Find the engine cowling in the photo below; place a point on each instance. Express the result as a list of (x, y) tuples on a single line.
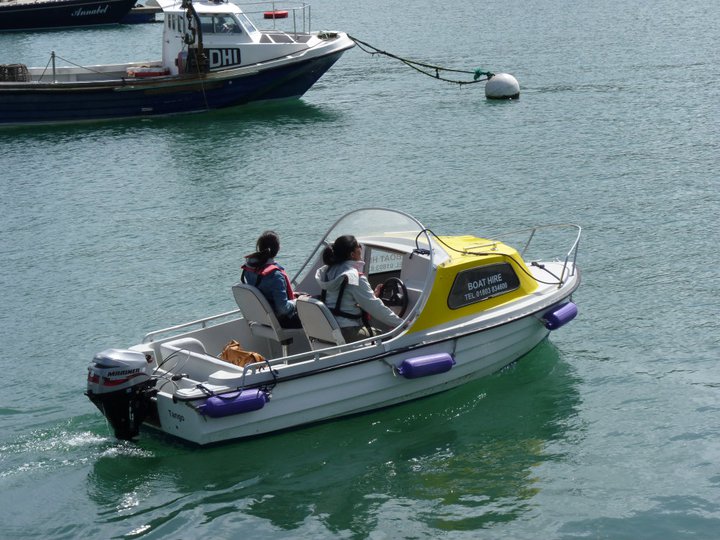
[(120, 384)]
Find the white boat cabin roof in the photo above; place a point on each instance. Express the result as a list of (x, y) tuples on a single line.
[(201, 6)]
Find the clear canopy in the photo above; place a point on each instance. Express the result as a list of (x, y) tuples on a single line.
[(371, 223), (374, 222)]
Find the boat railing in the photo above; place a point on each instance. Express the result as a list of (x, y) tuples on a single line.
[(535, 235), (200, 323), (279, 11)]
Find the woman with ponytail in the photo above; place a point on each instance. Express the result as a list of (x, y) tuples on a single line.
[(260, 270), (347, 292)]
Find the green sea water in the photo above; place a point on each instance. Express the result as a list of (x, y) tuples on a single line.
[(609, 430)]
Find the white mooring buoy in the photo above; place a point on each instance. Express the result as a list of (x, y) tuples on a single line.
[(502, 86)]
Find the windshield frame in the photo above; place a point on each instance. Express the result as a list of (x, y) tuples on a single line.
[(372, 224)]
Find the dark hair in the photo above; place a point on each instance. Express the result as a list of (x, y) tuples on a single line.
[(267, 246), (341, 250)]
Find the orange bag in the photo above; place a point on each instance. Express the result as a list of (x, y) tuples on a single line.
[(234, 353)]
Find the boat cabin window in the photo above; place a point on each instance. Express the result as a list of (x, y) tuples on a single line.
[(382, 264), (219, 24), (247, 23), (176, 22), (482, 282)]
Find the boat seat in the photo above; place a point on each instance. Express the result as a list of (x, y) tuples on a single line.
[(187, 344), (319, 324), (260, 317)]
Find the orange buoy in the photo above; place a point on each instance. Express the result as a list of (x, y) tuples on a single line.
[(277, 14)]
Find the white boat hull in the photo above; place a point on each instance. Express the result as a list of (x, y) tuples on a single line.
[(357, 388)]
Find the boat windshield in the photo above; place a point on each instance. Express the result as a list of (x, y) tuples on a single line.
[(365, 223), (375, 222), (223, 23), (250, 28)]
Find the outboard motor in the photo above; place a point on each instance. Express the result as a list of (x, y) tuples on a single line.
[(120, 384)]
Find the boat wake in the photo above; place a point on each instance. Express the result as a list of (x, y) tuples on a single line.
[(58, 447)]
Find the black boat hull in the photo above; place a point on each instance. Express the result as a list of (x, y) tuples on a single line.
[(51, 14), (48, 103)]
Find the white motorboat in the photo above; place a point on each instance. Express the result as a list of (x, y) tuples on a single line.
[(470, 306)]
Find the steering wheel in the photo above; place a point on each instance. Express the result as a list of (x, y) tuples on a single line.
[(394, 295)]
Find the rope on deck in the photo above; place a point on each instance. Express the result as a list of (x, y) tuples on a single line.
[(426, 69)]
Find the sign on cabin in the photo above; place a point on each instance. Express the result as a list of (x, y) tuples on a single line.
[(384, 261), (480, 283)]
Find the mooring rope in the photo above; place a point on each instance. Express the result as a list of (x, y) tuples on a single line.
[(426, 69)]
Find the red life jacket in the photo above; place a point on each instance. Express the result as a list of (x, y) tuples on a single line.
[(266, 270)]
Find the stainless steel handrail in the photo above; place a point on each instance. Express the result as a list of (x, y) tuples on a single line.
[(572, 252), (256, 8), (148, 338)]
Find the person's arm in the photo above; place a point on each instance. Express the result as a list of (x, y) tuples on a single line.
[(283, 305), (370, 303)]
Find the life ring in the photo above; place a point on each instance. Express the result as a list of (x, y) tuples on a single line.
[(277, 14)]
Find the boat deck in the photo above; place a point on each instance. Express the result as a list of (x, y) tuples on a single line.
[(108, 72)]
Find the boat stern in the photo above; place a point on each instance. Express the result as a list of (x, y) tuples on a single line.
[(120, 385)]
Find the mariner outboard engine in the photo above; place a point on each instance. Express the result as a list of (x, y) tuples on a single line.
[(120, 384)]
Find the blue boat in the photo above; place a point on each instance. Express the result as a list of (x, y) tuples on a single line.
[(50, 14), (213, 57)]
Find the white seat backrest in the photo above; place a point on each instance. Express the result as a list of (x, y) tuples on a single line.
[(319, 324), (261, 319), (254, 306)]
